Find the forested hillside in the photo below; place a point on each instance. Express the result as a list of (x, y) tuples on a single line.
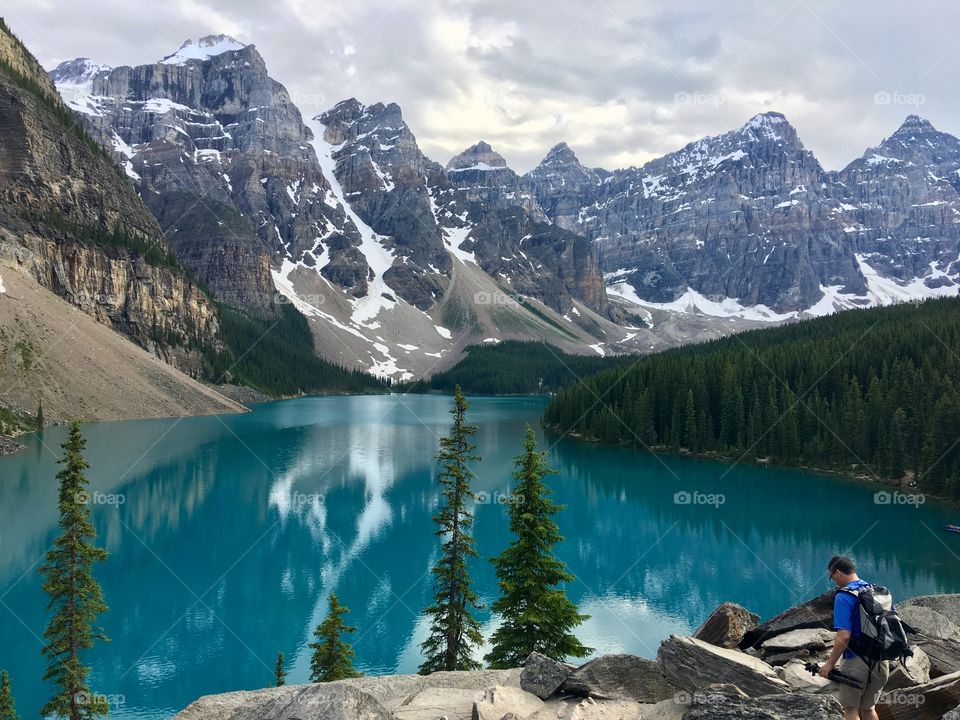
[(866, 391), (517, 368)]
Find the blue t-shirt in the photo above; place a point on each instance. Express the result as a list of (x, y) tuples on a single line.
[(846, 612)]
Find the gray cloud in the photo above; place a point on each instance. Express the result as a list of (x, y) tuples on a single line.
[(620, 81)]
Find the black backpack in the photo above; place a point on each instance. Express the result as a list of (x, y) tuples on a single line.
[(883, 634)]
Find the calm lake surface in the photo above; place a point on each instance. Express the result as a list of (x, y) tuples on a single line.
[(226, 535)]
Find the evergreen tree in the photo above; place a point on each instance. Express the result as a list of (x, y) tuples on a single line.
[(8, 710), (75, 596), (454, 632), (690, 437), (332, 657), (40, 415), (536, 613), (281, 674)]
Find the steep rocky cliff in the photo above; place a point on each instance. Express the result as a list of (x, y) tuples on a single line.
[(70, 218)]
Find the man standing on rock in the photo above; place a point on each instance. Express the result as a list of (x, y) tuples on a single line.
[(857, 704)]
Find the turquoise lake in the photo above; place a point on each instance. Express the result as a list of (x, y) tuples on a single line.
[(226, 534)]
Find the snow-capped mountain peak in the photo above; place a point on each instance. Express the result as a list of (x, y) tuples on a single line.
[(203, 49), (480, 156), (80, 71)]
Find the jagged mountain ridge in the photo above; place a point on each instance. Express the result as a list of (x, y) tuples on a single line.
[(748, 224), (343, 211), (744, 226)]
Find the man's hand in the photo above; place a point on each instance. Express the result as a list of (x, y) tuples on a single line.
[(825, 670)]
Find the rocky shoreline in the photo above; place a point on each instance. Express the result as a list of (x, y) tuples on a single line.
[(733, 667)]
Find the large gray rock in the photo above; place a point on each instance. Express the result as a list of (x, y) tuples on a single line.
[(925, 619), (727, 625), (620, 677), (804, 643), (543, 676), (795, 674), (693, 664), (816, 613), (719, 706), (944, 655), (330, 701)]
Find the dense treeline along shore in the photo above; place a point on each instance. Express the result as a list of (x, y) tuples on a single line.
[(869, 392)]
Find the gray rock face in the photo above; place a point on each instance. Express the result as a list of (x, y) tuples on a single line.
[(717, 706), (693, 665), (944, 655), (916, 671), (620, 677), (480, 175), (947, 606), (543, 676), (330, 701), (563, 186), (726, 625), (751, 215), (221, 155)]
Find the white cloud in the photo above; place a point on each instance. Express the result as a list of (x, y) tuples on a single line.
[(604, 76)]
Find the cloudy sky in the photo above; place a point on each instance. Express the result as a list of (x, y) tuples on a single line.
[(621, 81)]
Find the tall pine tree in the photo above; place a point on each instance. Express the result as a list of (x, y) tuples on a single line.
[(75, 596), (280, 673), (536, 613), (332, 657), (454, 632), (8, 710)]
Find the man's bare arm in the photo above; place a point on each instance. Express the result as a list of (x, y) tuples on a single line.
[(839, 645)]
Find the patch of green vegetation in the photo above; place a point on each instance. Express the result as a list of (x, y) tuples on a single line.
[(26, 354), (277, 357)]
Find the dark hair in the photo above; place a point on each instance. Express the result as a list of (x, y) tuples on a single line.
[(841, 563)]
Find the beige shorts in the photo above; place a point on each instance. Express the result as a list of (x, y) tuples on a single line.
[(872, 687)]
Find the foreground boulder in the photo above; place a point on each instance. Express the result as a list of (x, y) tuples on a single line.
[(543, 676), (727, 625), (946, 605), (329, 701), (923, 702), (928, 621), (944, 655), (916, 671), (432, 703), (620, 677), (816, 613), (693, 664), (709, 705), (501, 700)]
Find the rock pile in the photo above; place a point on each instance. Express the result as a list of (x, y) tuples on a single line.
[(732, 667)]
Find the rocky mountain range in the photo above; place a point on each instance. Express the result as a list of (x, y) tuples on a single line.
[(399, 262)]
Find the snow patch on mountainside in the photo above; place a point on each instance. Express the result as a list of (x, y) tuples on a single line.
[(379, 296)]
